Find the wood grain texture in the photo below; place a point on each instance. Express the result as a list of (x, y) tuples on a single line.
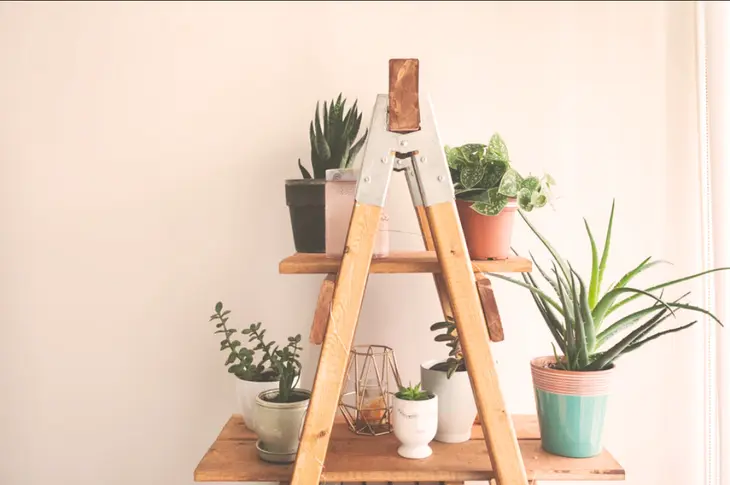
[(526, 427), (489, 305), (322, 312), (354, 458), (346, 302), (438, 280), (396, 262), (404, 114), (470, 323)]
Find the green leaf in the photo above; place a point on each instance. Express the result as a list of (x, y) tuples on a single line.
[(538, 200), (638, 344), (524, 199), (599, 312), (510, 184), (471, 175), (218, 307), (305, 173), (580, 326), (606, 246), (231, 358), (561, 262), (444, 338), (588, 327), (593, 286), (643, 266), (537, 291), (497, 149), (440, 326), (627, 321), (495, 170), (531, 183)]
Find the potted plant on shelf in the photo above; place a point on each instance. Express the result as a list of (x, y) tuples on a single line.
[(253, 376), (488, 191), (280, 412), (333, 145), (415, 418), (449, 380), (572, 385)]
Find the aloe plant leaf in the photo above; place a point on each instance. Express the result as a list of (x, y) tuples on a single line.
[(589, 331), (643, 266), (638, 344), (594, 287), (558, 361), (553, 320), (537, 291), (600, 311), (305, 173), (561, 262), (325, 116), (547, 277), (627, 321), (323, 149), (356, 149), (665, 285), (581, 341), (606, 246)]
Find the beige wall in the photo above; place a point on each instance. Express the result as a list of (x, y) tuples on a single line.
[(144, 148)]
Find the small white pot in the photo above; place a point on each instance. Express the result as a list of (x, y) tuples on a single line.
[(246, 392), (279, 424), (457, 408), (414, 424)]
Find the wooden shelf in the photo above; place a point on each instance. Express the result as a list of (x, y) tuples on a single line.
[(354, 458), (403, 262)]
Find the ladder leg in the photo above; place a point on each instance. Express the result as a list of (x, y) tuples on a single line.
[(346, 302), (437, 277), (456, 268)]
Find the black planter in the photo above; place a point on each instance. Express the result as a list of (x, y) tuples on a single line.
[(305, 199)]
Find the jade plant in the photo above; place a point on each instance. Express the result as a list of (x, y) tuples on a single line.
[(332, 140), (413, 393), (577, 314), (483, 175), (275, 364), (455, 361)]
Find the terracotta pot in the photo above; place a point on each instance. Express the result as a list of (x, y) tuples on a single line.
[(487, 237)]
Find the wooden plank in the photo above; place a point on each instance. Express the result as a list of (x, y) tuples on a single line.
[(489, 305), (526, 427), (404, 114), (322, 312), (397, 262), (470, 323), (346, 303), (364, 458), (437, 278)]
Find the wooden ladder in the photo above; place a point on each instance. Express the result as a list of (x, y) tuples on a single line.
[(403, 138)]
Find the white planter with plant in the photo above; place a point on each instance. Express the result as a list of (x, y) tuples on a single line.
[(449, 380), (252, 378), (415, 419)]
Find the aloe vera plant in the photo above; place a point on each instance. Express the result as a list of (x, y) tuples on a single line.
[(483, 175), (578, 314), (332, 139)]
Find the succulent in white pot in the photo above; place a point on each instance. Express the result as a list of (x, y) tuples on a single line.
[(252, 377), (449, 380), (415, 417)]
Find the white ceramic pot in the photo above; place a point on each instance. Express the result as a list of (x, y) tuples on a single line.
[(279, 425), (414, 424), (246, 393), (457, 408)]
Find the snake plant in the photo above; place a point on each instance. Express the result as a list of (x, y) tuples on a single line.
[(578, 314), (483, 175), (332, 140)]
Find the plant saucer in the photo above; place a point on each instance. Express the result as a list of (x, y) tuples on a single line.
[(274, 457)]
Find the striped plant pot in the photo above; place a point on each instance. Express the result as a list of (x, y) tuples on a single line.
[(571, 407)]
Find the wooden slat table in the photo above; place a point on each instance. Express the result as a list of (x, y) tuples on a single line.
[(354, 458), (396, 262)]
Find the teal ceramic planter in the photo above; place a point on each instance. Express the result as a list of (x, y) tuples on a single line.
[(571, 408)]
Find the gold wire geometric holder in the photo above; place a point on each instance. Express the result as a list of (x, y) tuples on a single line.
[(366, 401)]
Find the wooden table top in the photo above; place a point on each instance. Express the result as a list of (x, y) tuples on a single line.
[(354, 458)]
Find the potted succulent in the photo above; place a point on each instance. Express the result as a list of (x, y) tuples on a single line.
[(415, 418), (488, 191), (333, 146), (279, 413), (449, 380), (572, 385), (253, 376)]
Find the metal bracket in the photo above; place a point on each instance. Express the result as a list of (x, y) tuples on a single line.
[(427, 174)]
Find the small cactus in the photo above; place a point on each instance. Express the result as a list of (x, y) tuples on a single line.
[(333, 140)]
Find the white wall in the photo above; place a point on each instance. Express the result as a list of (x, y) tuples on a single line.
[(144, 148)]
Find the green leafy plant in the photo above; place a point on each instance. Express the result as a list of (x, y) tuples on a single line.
[(332, 141), (413, 393), (455, 362), (287, 364), (483, 175), (578, 315), (241, 360)]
